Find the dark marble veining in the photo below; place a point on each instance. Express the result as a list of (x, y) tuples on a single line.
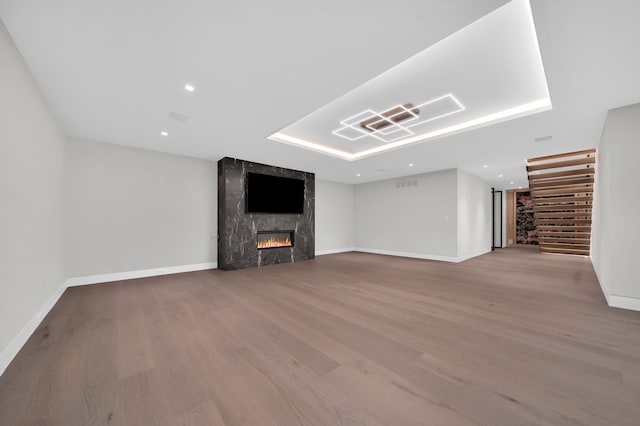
[(238, 230)]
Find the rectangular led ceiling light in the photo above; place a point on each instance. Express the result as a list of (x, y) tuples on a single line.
[(390, 117)]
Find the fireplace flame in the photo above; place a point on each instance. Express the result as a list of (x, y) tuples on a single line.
[(275, 242)]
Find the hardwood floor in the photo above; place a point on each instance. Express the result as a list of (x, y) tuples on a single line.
[(509, 338)]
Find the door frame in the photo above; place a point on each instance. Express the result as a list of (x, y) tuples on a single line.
[(500, 218)]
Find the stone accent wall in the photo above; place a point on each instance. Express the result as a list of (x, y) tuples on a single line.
[(237, 229)]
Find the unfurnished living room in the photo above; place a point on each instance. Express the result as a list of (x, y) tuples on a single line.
[(420, 212)]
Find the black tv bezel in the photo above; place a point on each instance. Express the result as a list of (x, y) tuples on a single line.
[(247, 194)]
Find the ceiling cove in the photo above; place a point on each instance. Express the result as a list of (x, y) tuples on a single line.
[(488, 72)]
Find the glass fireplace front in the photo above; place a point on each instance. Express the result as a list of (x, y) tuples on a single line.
[(274, 239)]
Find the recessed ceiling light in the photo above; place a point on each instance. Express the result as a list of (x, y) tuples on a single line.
[(410, 164), (164, 133), (485, 166), (512, 182), (189, 88), (358, 175), (519, 187), (500, 176), (543, 139)]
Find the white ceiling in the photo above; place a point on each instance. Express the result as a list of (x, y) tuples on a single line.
[(113, 70)]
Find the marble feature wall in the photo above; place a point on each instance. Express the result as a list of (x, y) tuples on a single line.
[(238, 230)]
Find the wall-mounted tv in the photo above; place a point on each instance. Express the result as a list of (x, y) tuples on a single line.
[(274, 194)]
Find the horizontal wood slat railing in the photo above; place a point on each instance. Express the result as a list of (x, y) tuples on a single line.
[(561, 207), (579, 252), (555, 200), (559, 222), (554, 165), (564, 240), (569, 173), (552, 183), (562, 190), (585, 233), (583, 190), (556, 215), (565, 155)]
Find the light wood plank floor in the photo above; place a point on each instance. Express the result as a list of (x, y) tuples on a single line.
[(509, 338)]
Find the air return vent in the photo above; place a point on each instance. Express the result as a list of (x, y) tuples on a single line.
[(543, 139), (178, 116)]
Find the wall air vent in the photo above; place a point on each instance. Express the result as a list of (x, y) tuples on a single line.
[(406, 184), (178, 117), (543, 139)]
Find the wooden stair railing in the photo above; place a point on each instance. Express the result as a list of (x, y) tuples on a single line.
[(562, 190)]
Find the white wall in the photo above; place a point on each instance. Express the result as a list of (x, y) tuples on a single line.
[(129, 209), (31, 194), (335, 217), (474, 215), (76, 208), (615, 233), (412, 216)]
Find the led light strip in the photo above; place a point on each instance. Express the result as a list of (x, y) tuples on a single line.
[(540, 105)]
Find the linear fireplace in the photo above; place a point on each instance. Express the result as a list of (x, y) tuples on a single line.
[(274, 239)]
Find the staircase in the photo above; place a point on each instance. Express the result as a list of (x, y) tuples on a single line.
[(562, 190)]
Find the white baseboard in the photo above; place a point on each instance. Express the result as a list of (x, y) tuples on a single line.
[(604, 289), (624, 302), (473, 254), (142, 273), (613, 300), (454, 259), (7, 355), (10, 352), (334, 251)]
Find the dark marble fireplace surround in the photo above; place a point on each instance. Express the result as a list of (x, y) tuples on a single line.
[(238, 230)]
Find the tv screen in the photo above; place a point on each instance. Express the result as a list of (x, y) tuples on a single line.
[(274, 194)]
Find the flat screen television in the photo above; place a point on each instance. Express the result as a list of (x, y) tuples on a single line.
[(274, 194)]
